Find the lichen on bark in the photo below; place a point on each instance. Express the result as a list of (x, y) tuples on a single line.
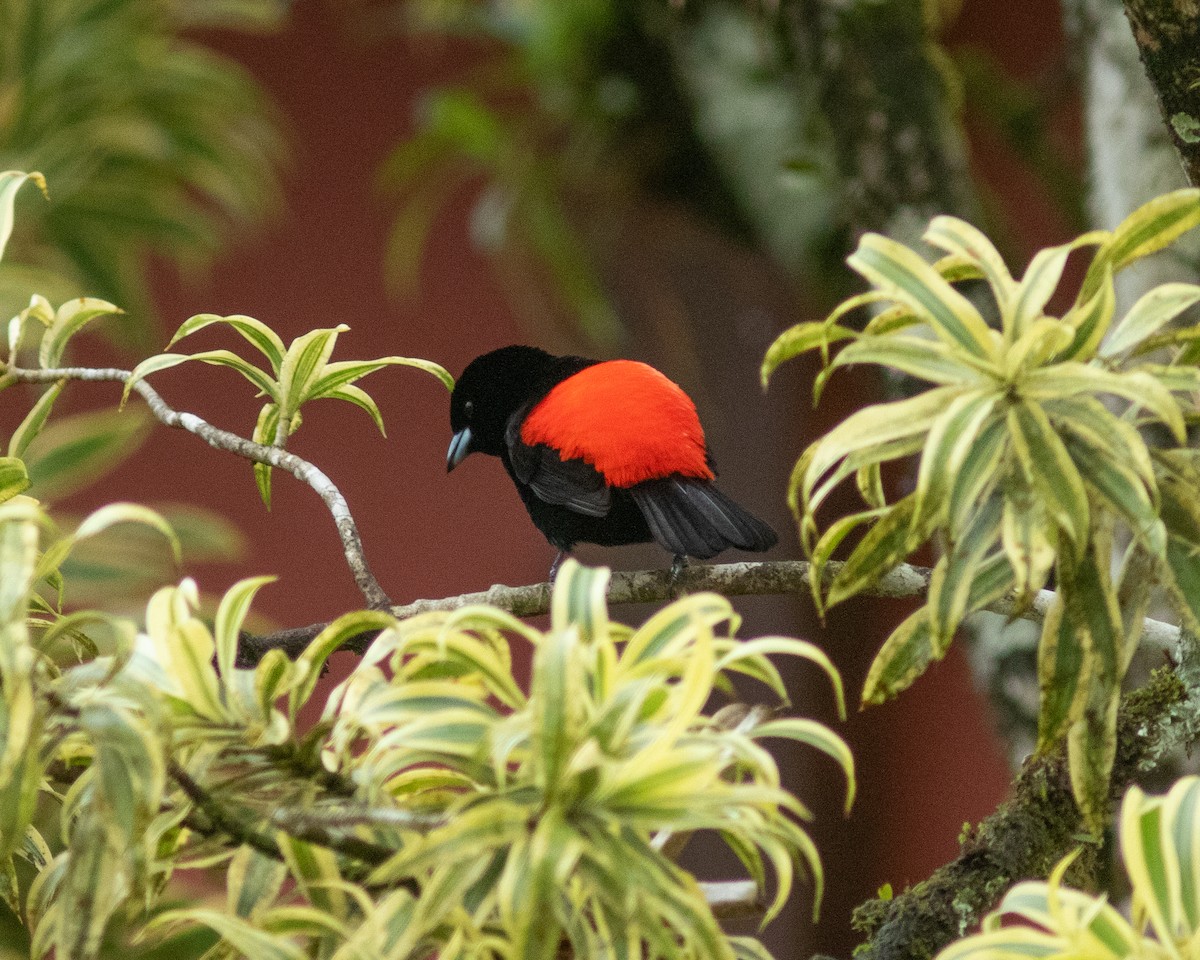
[(1168, 38), (1023, 839)]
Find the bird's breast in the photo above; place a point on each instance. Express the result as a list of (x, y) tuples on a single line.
[(626, 419)]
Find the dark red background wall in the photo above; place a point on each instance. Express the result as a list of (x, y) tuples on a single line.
[(926, 764)]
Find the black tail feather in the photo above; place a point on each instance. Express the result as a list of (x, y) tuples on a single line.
[(693, 518)]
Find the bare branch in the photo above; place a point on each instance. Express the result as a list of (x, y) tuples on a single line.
[(761, 578), (299, 468)]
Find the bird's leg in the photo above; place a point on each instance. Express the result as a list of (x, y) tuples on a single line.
[(558, 562), (678, 565)]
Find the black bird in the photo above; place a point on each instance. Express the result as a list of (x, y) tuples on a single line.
[(607, 452)]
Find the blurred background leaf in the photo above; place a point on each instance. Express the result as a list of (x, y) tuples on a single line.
[(154, 144), (73, 452)]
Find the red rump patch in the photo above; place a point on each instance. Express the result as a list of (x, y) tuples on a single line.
[(624, 418)]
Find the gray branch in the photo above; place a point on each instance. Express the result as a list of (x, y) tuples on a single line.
[(761, 578), (299, 468)]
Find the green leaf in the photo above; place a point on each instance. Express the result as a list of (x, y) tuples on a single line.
[(1048, 467), (10, 183), (253, 883), (95, 882), (815, 735), (549, 858), (1120, 487), (303, 365), (1153, 226), (953, 579), (920, 357), (20, 535), (22, 781), (184, 649), (960, 238), (1182, 579), (985, 461), (1086, 584), (311, 662), (1140, 388), (799, 339), (362, 400), (952, 439), (579, 599), (243, 936), (14, 478), (867, 457), (1091, 750), (69, 319), (34, 420), (75, 451), (130, 767), (1043, 337), (231, 614), (164, 361), (905, 654), (265, 340), (1064, 662), (1027, 544), (1038, 284), (483, 827), (555, 695), (876, 427), (1091, 318), (335, 375), (908, 279), (316, 873), (893, 537), (264, 432), (1154, 310), (1152, 860)]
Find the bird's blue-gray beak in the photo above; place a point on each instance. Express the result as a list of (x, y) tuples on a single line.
[(460, 446)]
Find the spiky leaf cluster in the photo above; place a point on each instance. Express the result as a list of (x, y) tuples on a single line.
[(437, 808), (1160, 846), (1030, 457), (298, 373)]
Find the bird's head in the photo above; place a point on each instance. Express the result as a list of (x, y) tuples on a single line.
[(489, 392)]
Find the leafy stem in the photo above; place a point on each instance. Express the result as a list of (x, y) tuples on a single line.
[(301, 469)]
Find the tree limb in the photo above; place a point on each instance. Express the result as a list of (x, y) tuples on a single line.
[(1022, 840), (299, 468), (1168, 38)]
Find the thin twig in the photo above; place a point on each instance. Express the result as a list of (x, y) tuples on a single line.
[(299, 468), (219, 817)]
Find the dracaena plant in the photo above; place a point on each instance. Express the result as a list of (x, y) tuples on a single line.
[(1029, 458), (436, 809), (298, 373), (1160, 846)]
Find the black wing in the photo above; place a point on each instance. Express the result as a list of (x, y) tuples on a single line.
[(573, 484), (693, 518)]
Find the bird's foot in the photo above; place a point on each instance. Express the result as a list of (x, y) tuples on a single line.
[(678, 565), (558, 562)]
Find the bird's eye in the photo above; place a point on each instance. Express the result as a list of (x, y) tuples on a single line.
[(469, 409)]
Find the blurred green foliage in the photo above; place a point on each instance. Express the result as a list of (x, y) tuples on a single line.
[(154, 144), (576, 115)]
